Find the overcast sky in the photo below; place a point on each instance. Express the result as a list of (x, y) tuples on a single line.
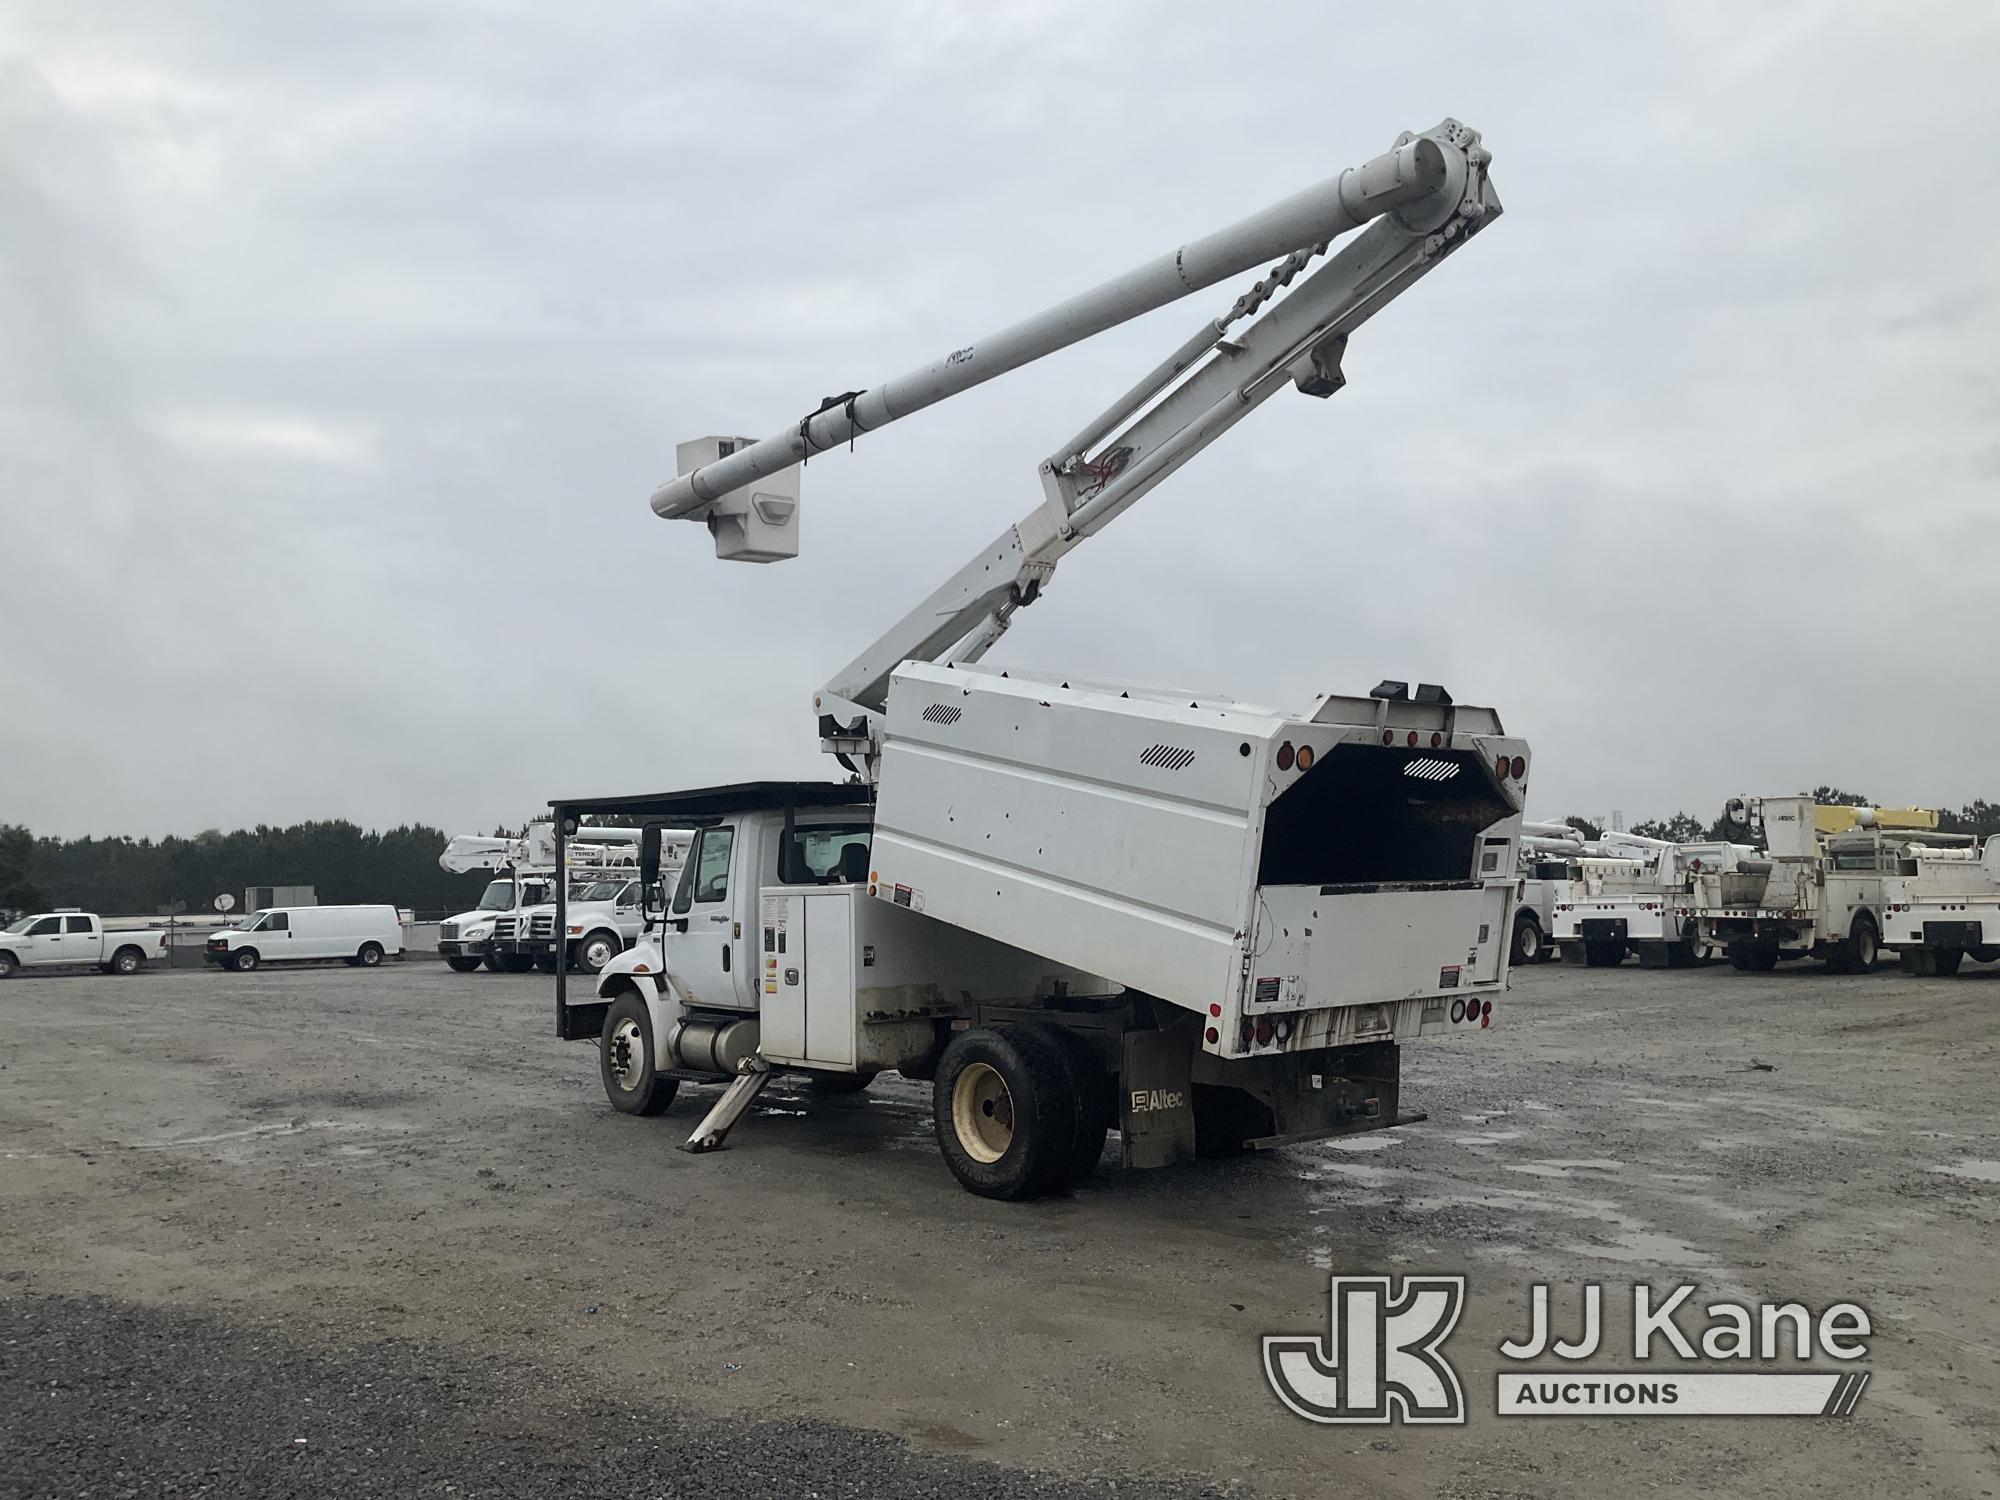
[(340, 347)]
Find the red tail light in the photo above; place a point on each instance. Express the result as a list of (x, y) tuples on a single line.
[(1213, 1035), (1285, 756), (1520, 767), (1500, 767)]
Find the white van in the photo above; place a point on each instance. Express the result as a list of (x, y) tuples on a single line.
[(362, 935)]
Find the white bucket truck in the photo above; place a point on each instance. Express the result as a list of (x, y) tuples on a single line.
[(495, 932), (1819, 891), (1943, 904), (1075, 905)]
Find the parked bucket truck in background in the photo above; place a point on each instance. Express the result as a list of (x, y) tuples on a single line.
[(1818, 892), (1943, 904), (1073, 904), (525, 880)]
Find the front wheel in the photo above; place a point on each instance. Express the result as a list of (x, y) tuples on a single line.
[(1002, 1107), (8, 964), (596, 950), (464, 965), (545, 963), (517, 963), (625, 1060), (243, 960)]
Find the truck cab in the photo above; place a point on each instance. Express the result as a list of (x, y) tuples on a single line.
[(466, 940)]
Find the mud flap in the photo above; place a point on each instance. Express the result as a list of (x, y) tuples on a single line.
[(1156, 1098)]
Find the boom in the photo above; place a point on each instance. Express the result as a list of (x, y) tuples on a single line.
[(1419, 202)]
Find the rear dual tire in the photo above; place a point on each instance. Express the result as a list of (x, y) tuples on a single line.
[(1019, 1110), (1530, 946)]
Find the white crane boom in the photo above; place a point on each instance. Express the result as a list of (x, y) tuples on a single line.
[(1419, 202)]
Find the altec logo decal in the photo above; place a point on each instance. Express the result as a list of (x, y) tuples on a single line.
[(1383, 1361)]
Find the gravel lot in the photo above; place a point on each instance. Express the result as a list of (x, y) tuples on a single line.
[(327, 1232)]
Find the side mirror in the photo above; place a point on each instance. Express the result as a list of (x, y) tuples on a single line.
[(649, 856)]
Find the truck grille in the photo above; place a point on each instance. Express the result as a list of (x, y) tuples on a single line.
[(448, 930), (503, 927), (542, 924)]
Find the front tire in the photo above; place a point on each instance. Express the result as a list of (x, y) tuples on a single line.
[(625, 1060), (596, 949), (1004, 1110), (126, 961), (464, 965), (545, 963), (517, 963), (243, 960), (8, 964)]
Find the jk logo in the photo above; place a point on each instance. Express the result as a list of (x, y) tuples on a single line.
[(1379, 1361)]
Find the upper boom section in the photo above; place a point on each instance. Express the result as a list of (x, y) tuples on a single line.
[(1420, 182)]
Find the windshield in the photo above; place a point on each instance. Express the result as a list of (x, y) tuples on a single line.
[(256, 922), (20, 926), (499, 897), (597, 890)]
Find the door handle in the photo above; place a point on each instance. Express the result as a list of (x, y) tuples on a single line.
[(725, 958)]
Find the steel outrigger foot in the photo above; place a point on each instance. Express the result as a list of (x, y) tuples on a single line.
[(715, 1126)]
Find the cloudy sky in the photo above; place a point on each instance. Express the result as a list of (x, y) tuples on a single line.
[(340, 347)]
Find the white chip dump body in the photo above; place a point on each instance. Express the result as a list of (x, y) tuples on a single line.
[(1230, 860)]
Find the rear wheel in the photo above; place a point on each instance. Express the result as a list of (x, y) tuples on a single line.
[(1528, 943), (1858, 953), (464, 965), (1003, 1107), (1090, 1088), (369, 956), (625, 1060), (127, 961)]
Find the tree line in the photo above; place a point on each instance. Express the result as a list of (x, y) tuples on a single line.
[(341, 861)]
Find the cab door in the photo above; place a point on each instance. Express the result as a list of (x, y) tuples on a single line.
[(43, 943), (80, 943), (705, 952)]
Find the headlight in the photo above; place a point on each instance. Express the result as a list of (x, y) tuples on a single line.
[(480, 932)]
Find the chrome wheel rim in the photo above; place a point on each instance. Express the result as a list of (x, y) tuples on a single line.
[(628, 1054)]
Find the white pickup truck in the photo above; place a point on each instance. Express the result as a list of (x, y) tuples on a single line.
[(73, 939)]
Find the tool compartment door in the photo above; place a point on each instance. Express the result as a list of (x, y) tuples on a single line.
[(806, 977)]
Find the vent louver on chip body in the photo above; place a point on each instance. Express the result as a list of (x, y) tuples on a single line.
[(942, 713), (1168, 757), (1430, 769)]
